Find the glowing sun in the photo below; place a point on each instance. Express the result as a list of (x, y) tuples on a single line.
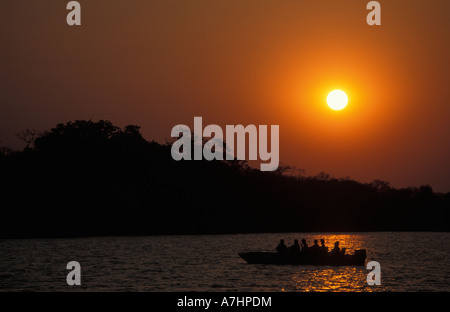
[(337, 99)]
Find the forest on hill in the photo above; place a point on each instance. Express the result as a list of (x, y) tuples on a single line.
[(87, 178)]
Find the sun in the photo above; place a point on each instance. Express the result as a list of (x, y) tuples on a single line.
[(337, 99)]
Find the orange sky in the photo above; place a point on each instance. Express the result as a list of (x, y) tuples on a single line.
[(160, 63)]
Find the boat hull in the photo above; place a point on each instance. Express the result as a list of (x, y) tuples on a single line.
[(303, 259)]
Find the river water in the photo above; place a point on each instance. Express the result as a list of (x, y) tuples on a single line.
[(409, 262)]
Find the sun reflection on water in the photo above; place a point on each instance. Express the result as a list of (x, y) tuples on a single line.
[(319, 279)]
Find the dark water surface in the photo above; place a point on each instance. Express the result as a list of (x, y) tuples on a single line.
[(409, 262)]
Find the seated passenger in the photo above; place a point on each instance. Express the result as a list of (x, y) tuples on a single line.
[(281, 248), (304, 245), (336, 250), (323, 248), (315, 249), (295, 249)]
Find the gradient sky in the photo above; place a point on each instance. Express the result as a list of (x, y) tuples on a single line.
[(160, 63)]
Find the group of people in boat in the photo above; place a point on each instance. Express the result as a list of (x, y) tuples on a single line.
[(315, 249)]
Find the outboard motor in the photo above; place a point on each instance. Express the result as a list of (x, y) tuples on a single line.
[(361, 255)]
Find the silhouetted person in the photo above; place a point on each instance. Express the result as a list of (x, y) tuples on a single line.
[(295, 249), (336, 250), (314, 249), (304, 245), (323, 248), (281, 248)]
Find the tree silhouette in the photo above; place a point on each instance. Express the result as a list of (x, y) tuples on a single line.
[(381, 186), (29, 136), (93, 178)]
